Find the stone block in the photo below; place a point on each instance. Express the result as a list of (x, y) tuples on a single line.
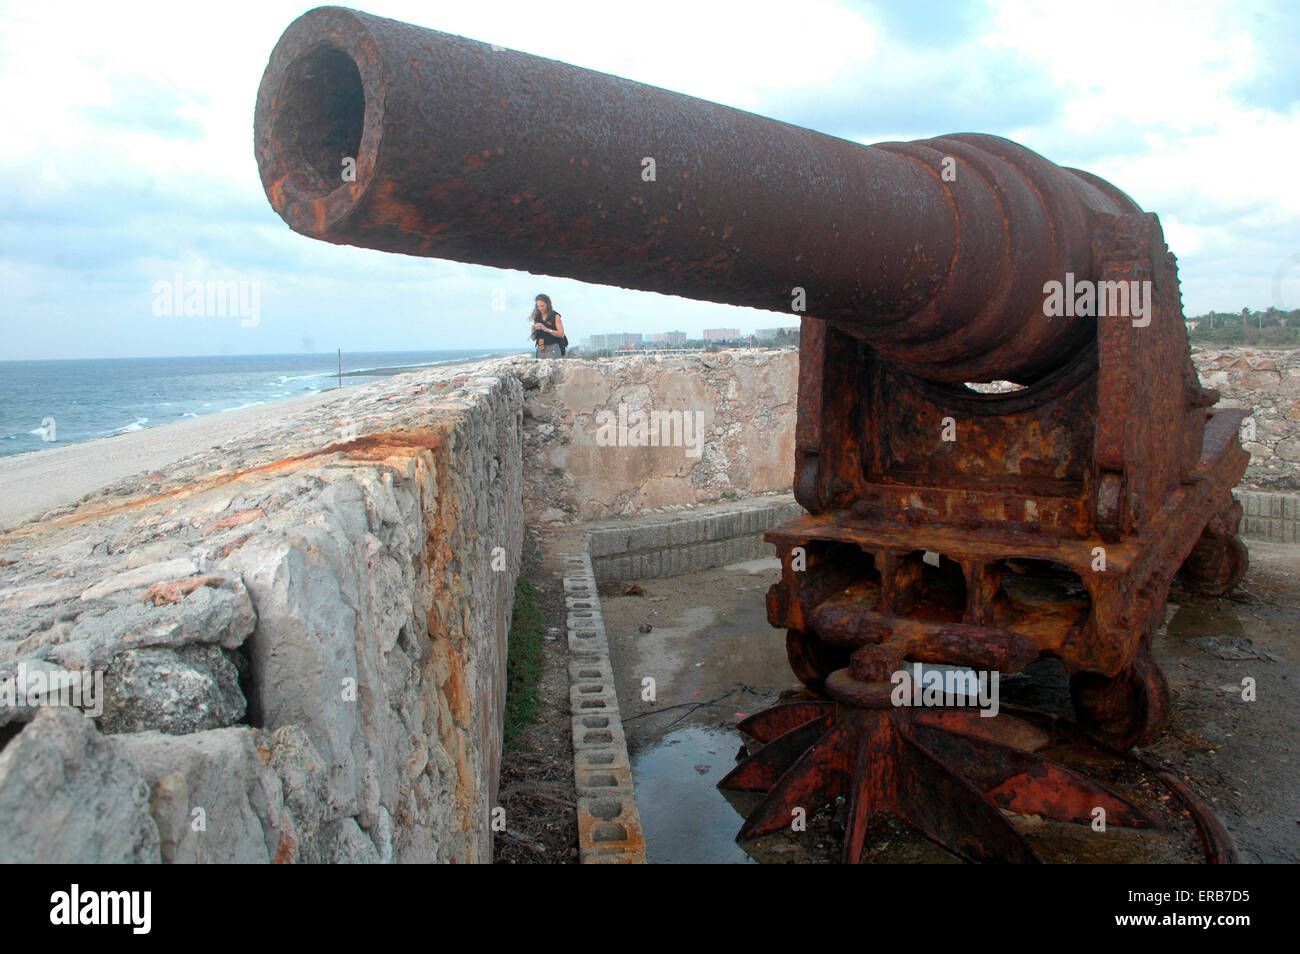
[(67, 795)]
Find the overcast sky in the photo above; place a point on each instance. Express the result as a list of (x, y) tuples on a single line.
[(127, 155)]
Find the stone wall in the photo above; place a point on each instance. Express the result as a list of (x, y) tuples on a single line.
[(1268, 383), (301, 639), (1274, 517), (581, 431)]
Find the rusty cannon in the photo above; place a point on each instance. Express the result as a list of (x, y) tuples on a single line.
[(1002, 447)]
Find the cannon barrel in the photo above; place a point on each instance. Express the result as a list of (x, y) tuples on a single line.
[(934, 252)]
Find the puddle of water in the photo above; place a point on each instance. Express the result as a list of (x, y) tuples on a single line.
[(710, 641), (1191, 620), (685, 818)]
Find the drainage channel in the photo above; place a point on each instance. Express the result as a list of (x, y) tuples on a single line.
[(692, 656)]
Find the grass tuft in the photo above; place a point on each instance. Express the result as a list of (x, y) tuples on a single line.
[(523, 661)]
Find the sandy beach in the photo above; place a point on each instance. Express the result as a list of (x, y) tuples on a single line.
[(33, 483)]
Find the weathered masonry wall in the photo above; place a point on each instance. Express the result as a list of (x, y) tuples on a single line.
[(741, 407), (301, 639), (1267, 382), (748, 402)]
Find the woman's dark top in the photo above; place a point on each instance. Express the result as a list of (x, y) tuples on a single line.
[(548, 338)]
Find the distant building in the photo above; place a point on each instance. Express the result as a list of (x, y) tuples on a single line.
[(771, 334), (668, 338), (718, 335), (614, 340)]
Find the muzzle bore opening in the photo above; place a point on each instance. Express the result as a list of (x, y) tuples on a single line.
[(322, 108)]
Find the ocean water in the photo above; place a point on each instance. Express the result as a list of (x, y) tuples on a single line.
[(83, 399)]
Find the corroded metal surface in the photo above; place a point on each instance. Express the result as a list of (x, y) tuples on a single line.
[(961, 780), (479, 154), (1051, 520)]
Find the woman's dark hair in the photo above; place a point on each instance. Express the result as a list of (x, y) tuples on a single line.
[(536, 315)]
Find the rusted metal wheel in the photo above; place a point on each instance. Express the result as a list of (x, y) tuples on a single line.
[(949, 774), (1128, 710), (1219, 560), (1216, 565)]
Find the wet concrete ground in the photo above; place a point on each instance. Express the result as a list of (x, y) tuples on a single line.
[(1243, 756), (714, 659)]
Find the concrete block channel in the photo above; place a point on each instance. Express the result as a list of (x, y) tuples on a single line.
[(696, 628), (645, 549), (679, 546), (1274, 517), (609, 829)]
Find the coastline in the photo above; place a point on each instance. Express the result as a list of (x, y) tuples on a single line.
[(34, 482), (98, 398)]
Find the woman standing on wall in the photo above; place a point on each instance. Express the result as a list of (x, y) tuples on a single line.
[(548, 329)]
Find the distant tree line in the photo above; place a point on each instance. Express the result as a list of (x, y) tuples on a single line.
[(1270, 328)]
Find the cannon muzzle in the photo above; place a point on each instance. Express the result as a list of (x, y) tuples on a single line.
[(384, 135)]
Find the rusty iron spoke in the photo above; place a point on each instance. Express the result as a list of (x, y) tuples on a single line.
[(1215, 841), (935, 799), (760, 771), (1004, 728), (779, 719), (872, 792), (816, 779), (1028, 784)]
